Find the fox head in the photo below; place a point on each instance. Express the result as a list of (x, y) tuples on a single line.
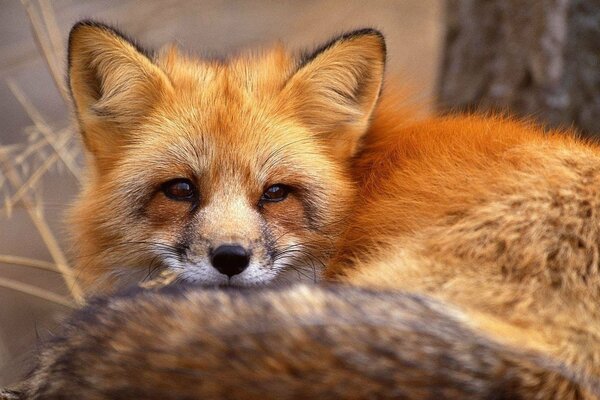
[(222, 172)]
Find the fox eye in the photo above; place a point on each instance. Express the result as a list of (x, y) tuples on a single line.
[(275, 193), (180, 189)]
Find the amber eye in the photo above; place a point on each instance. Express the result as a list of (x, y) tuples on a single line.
[(180, 189), (275, 193)]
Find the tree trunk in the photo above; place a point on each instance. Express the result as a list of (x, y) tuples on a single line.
[(536, 58)]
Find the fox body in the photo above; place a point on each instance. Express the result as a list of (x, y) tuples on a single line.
[(492, 220), (498, 217), (492, 215)]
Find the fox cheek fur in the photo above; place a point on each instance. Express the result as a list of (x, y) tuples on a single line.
[(185, 156)]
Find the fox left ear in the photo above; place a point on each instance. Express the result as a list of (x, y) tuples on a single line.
[(113, 84), (337, 87)]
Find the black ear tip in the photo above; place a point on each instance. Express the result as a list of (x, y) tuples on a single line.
[(110, 29), (359, 33), (367, 32), (82, 25), (89, 23), (76, 29), (355, 34), (99, 27)]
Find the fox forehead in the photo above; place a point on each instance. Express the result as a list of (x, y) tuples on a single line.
[(226, 123), (214, 158), (251, 77)]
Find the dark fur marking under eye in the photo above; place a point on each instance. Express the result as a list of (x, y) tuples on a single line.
[(313, 205), (311, 213), (141, 204), (269, 240)]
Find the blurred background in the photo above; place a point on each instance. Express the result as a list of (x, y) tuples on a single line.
[(40, 157)]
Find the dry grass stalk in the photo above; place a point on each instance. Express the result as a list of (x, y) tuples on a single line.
[(43, 228), (35, 291), (18, 160), (28, 262), (31, 181), (43, 127), (49, 20), (50, 44), (46, 34), (31, 149)]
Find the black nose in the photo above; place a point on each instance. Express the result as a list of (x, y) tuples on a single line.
[(230, 259)]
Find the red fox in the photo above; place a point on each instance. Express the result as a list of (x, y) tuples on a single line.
[(230, 172)]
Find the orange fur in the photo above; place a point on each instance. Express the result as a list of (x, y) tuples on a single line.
[(412, 174), (491, 214)]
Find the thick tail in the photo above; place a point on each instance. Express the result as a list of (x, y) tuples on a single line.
[(295, 343)]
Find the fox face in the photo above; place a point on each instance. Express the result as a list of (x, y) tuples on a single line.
[(222, 172)]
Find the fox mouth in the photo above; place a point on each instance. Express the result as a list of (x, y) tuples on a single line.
[(231, 285), (280, 271), (207, 275), (168, 277)]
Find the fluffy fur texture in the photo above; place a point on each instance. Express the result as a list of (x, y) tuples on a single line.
[(490, 214), (298, 343), (232, 128)]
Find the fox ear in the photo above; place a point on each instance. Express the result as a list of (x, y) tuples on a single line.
[(113, 83), (336, 88)]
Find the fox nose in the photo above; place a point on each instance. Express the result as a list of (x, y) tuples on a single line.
[(230, 259)]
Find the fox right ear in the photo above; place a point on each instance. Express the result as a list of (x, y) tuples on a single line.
[(336, 88), (112, 83)]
